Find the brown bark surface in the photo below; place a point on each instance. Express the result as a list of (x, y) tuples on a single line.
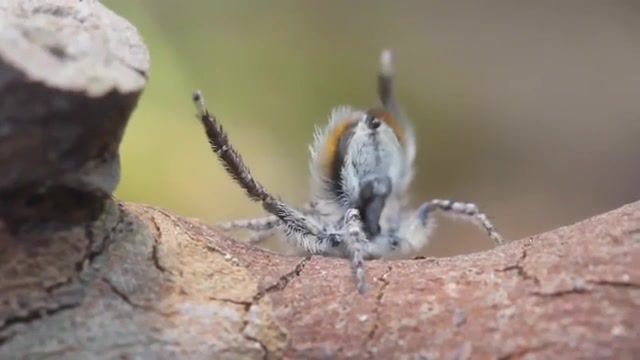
[(139, 282), (85, 276)]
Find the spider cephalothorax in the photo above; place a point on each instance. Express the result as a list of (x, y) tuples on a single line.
[(361, 167)]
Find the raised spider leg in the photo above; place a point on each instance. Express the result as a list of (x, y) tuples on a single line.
[(466, 210), (303, 230), (356, 239), (389, 102), (385, 82)]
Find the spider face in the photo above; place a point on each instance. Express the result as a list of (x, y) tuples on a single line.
[(361, 166)]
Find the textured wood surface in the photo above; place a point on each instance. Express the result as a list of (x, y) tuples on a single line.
[(139, 281)]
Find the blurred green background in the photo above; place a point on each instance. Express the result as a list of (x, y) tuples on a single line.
[(530, 109)]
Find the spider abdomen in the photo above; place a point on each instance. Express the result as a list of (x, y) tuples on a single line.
[(372, 161)]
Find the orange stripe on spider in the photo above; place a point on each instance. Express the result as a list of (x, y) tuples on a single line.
[(330, 162)]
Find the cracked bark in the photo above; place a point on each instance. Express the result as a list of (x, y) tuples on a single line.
[(376, 314), (84, 276)]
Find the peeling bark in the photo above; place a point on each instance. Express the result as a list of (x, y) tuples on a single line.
[(85, 276)]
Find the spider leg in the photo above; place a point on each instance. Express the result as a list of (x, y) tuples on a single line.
[(260, 236), (262, 227), (466, 210), (385, 82), (356, 241), (256, 224), (261, 223), (304, 230), (389, 102)]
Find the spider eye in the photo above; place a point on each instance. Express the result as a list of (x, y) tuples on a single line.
[(375, 117), (372, 122)]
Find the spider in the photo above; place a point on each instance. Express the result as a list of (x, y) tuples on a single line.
[(361, 166)]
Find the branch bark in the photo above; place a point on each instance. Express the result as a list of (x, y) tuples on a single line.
[(146, 283), (85, 276)]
